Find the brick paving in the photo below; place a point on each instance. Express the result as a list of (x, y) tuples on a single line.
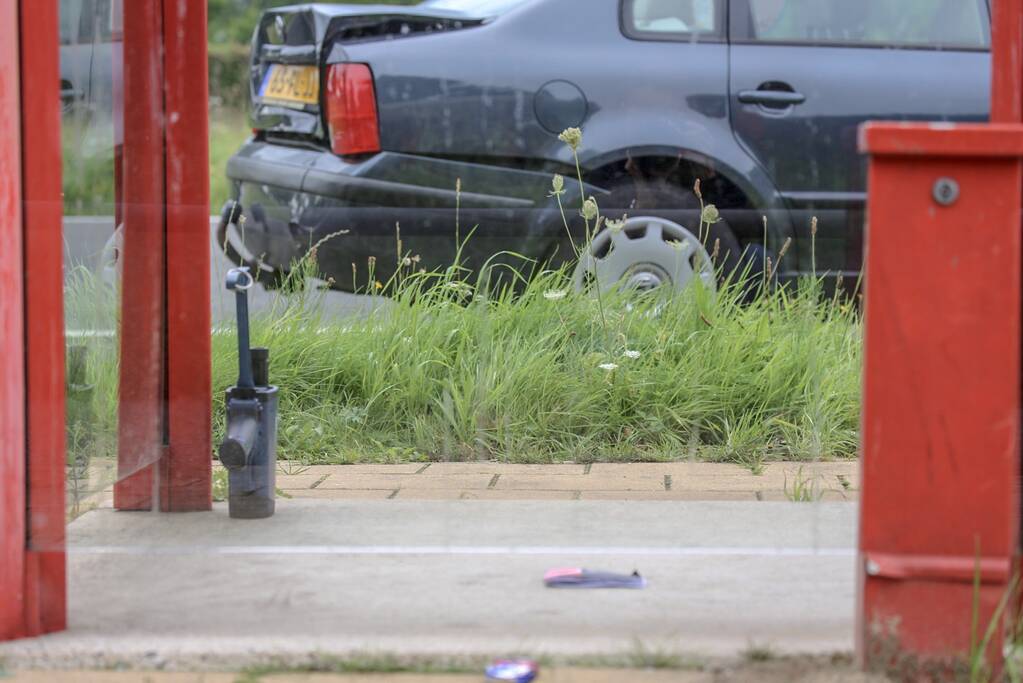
[(684, 481), (828, 481)]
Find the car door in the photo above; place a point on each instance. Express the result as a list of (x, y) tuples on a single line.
[(804, 74)]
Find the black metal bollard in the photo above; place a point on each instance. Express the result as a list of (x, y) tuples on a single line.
[(249, 449)]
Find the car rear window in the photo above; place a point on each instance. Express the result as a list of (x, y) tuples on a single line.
[(962, 24), (672, 19), (476, 7)]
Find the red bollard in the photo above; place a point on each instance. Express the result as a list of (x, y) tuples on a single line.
[(941, 459)]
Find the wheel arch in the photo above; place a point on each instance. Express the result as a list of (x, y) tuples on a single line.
[(744, 196)]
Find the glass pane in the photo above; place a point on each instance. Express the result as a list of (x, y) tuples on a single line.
[(533, 299), (90, 131), (674, 16), (909, 23)]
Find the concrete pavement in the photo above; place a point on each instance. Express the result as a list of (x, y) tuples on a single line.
[(442, 579)]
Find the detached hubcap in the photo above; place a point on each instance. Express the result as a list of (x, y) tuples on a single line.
[(648, 253), (646, 277)]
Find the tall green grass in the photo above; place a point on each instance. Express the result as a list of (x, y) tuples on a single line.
[(454, 372)]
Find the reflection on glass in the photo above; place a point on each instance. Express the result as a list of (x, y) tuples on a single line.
[(90, 54)]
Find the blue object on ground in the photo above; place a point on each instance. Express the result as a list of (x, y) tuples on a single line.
[(517, 670), (571, 577)]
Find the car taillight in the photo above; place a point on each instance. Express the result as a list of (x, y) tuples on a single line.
[(352, 110)]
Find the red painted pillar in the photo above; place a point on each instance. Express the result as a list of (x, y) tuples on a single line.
[(941, 462), (32, 571), (165, 422), (1007, 62), (12, 348), (45, 579), (188, 475), (141, 435)]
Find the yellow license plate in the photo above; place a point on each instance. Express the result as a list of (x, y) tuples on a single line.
[(290, 84)]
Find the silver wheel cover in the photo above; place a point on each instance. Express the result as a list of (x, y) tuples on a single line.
[(647, 253)]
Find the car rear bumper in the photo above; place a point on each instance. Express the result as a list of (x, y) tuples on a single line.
[(289, 199)]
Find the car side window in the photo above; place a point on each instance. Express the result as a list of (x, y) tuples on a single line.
[(95, 21), (950, 24), (67, 23), (673, 19)]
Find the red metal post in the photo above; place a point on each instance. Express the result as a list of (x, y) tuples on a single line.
[(1007, 62), (45, 601), (12, 349), (165, 421), (188, 473), (141, 434), (941, 460)]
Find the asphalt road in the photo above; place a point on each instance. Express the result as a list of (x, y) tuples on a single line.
[(86, 236)]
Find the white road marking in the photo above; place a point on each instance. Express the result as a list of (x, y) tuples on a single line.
[(340, 550)]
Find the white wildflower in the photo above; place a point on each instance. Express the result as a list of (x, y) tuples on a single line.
[(616, 226), (573, 137), (632, 354), (558, 183), (555, 294), (609, 367), (710, 214), (590, 209)]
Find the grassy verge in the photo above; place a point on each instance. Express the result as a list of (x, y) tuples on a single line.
[(452, 373), (229, 128)]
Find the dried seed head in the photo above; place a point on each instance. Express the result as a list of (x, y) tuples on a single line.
[(813, 226), (784, 248), (710, 214), (458, 185), (590, 209), (696, 189), (717, 250), (558, 183), (573, 137)]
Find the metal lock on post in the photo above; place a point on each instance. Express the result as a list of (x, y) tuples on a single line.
[(249, 449)]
